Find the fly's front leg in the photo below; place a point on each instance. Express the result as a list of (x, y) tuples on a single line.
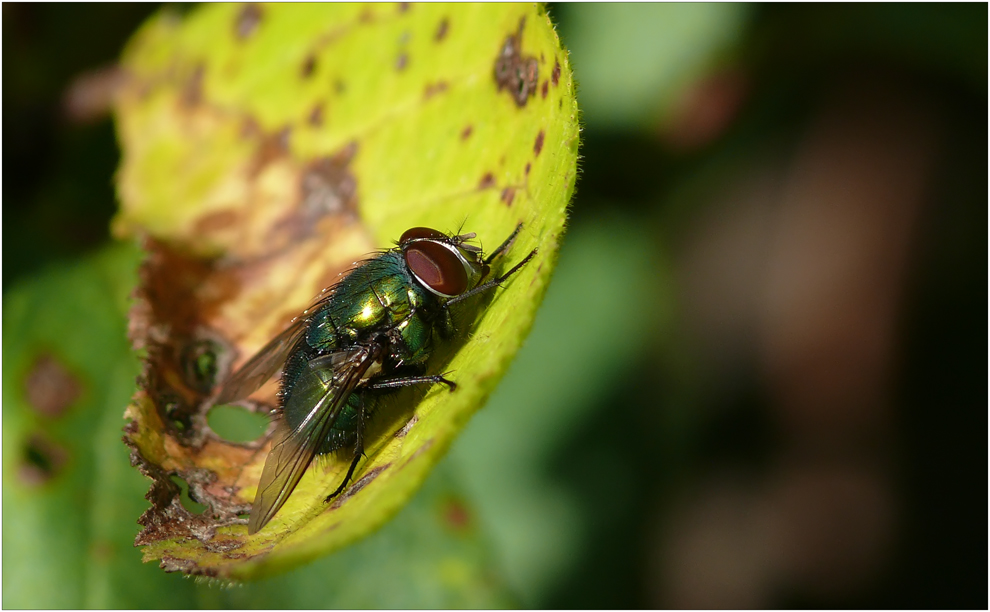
[(492, 283), (445, 324), (502, 247)]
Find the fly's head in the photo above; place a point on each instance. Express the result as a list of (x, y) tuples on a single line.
[(445, 265)]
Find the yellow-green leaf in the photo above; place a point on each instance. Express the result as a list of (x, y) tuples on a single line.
[(266, 148)]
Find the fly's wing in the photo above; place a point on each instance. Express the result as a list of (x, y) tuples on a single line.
[(263, 365), (330, 380), (270, 359)]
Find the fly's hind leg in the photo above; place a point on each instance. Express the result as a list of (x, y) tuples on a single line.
[(358, 452), (393, 383)]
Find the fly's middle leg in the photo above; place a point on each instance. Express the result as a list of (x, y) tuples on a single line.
[(409, 381)]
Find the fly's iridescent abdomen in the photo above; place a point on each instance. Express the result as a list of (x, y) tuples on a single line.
[(371, 333)]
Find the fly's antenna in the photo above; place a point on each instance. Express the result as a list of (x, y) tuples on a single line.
[(459, 237)]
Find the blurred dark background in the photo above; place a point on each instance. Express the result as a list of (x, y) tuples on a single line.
[(778, 395)]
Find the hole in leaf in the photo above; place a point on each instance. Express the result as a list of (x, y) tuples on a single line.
[(41, 460), (199, 363), (176, 413), (191, 505), (236, 424)]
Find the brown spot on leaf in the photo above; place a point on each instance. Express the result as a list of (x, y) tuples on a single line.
[(528, 168), (514, 71), (247, 20), (508, 194), (41, 460), (50, 387), (170, 564), (315, 117), (102, 551), (442, 30), (192, 89), (308, 66), (545, 89), (272, 147), (216, 220), (401, 61), (555, 75), (403, 7), (407, 427), (222, 546), (487, 181), (433, 89), (538, 145), (466, 132), (250, 128), (130, 429), (328, 187), (456, 515)]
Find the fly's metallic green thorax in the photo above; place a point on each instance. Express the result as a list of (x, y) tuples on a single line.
[(378, 294), (369, 334)]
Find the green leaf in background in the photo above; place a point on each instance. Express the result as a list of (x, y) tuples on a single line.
[(633, 60), (69, 496), (265, 148)]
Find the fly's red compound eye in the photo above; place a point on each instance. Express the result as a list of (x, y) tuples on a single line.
[(421, 233), (437, 267)]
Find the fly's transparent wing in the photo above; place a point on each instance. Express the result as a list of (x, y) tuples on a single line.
[(272, 356), (324, 387), (263, 365)]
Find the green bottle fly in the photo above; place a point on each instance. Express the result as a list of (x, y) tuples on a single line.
[(371, 332)]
